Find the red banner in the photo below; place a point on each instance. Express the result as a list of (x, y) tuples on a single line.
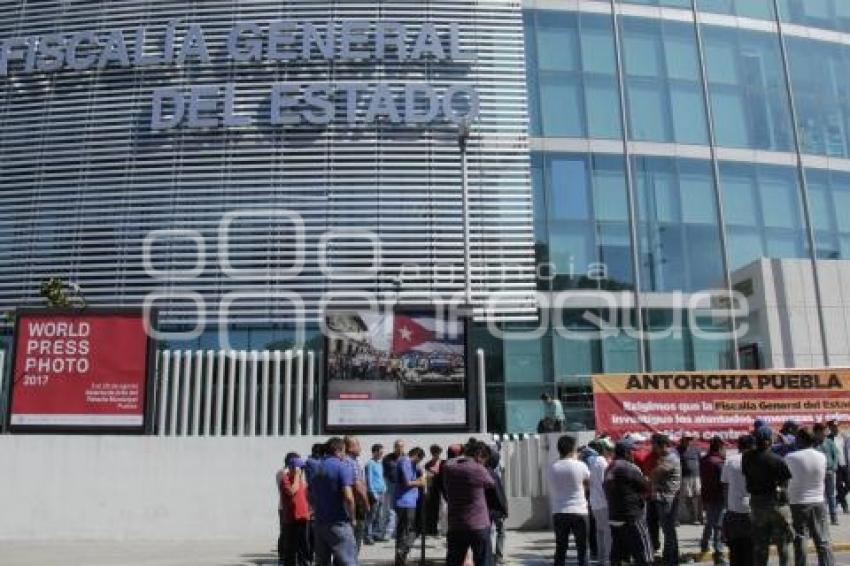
[(83, 370), (723, 404)]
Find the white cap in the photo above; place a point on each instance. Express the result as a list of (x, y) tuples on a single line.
[(636, 437)]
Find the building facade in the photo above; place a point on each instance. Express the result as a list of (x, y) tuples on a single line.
[(635, 170)]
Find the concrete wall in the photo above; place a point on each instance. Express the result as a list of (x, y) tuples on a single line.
[(147, 488)]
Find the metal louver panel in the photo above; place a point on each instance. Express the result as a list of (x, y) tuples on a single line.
[(83, 178)]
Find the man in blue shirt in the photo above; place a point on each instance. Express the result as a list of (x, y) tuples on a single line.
[(376, 487), (407, 497), (333, 496)]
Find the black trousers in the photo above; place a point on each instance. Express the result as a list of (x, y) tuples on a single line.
[(293, 545), (405, 534), (630, 541), (459, 542), (737, 529), (592, 543), (564, 525)]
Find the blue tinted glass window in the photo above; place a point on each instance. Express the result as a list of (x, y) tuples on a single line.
[(586, 220), (760, 9), (557, 47), (829, 196), (828, 14), (820, 73), (665, 97), (679, 245), (603, 103), (597, 45), (524, 360), (561, 105), (748, 95), (763, 213), (571, 70)]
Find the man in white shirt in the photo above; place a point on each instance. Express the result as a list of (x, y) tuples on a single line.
[(598, 501), (806, 495), (736, 522), (568, 478)]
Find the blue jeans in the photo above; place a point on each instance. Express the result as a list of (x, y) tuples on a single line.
[(829, 493), (389, 511), (335, 542), (811, 519), (375, 518), (666, 512)]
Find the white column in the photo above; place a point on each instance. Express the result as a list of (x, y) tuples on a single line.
[(197, 392), (311, 396), (264, 396), (252, 392), (231, 394), (299, 393), (219, 391), (287, 395), (276, 395), (186, 378), (209, 370), (243, 378), (175, 392), (162, 406)]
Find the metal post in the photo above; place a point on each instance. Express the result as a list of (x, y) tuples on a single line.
[(804, 185), (482, 391), (630, 196), (462, 140)]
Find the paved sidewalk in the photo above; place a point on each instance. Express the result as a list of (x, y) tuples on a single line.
[(523, 549)]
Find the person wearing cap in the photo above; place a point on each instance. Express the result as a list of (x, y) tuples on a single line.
[(710, 470), (806, 495), (767, 477), (626, 489), (293, 545), (666, 479), (827, 447), (597, 500), (841, 477), (690, 494), (737, 527)]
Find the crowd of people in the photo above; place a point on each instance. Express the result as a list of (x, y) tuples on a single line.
[(331, 504), (619, 501), (623, 501)]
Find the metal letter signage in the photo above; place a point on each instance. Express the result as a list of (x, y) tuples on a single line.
[(284, 43)]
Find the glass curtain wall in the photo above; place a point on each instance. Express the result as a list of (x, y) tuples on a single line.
[(581, 212)]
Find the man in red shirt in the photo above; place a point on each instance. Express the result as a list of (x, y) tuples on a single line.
[(294, 542)]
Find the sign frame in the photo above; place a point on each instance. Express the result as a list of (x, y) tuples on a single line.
[(470, 397), (149, 387)]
